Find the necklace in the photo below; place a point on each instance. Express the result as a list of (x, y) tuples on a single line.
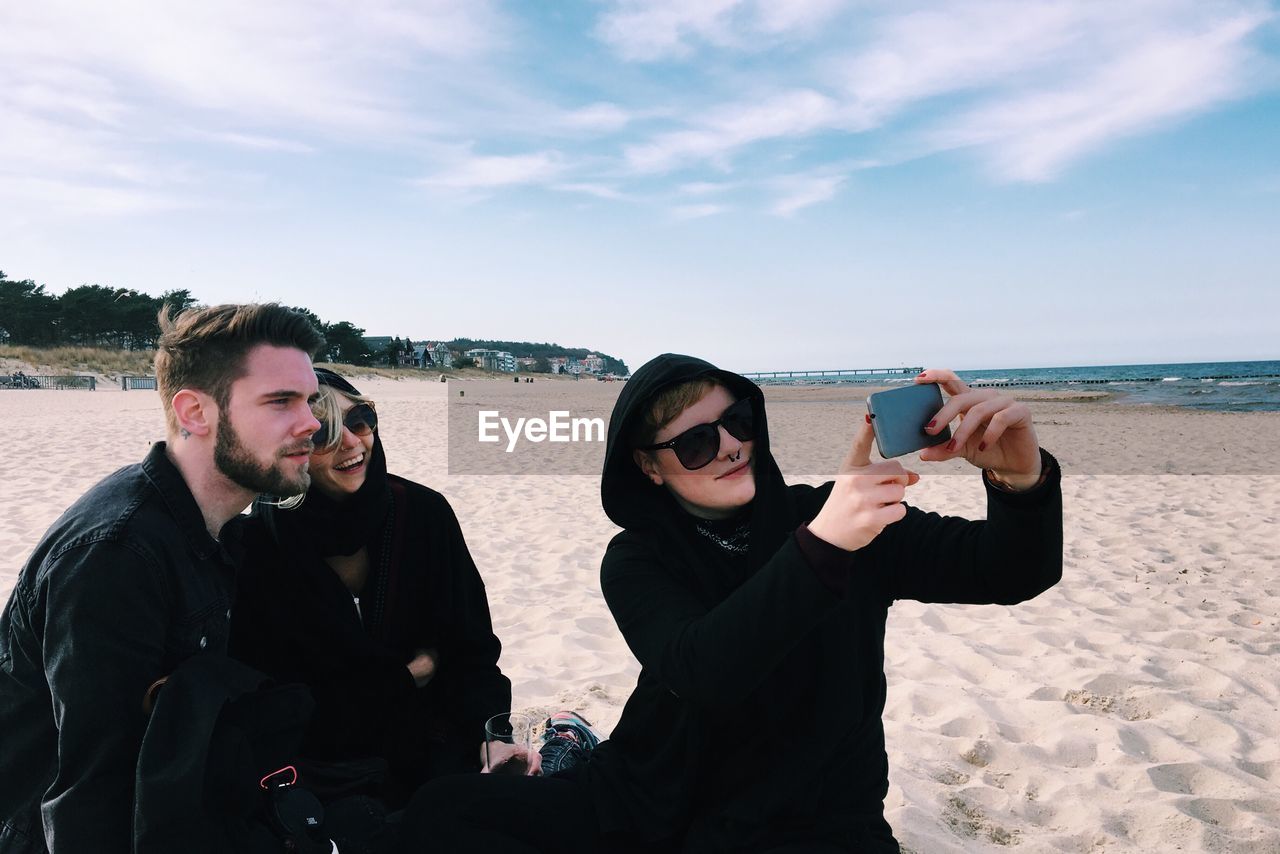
[(736, 540)]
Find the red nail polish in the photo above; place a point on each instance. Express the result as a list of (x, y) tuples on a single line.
[(922, 374), (982, 446), (868, 419), (929, 426), (951, 446)]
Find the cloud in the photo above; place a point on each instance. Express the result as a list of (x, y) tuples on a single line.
[(255, 142), (600, 191), (796, 192), (83, 199), (697, 211), (685, 99), (965, 47), (1032, 87), (656, 29), (601, 116), (1036, 135), (705, 188), (649, 29), (490, 172), (93, 92), (730, 127), (319, 63)]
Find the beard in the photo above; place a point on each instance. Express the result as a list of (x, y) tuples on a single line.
[(234, 459)]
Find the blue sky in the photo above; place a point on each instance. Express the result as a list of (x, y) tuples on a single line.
[(771, 185)]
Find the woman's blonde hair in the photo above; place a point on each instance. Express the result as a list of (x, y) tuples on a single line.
[(327, 409)]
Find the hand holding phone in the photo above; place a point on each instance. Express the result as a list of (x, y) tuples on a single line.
[(865, 498), (899, 418)]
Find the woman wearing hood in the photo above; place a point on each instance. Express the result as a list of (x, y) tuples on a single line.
[(757, 611), (365, 592)]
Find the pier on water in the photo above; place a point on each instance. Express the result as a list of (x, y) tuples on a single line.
[(832, 374)]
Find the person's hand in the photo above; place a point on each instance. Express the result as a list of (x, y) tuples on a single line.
[(423, 666), (506, 758), (866, 499), (995, 431)]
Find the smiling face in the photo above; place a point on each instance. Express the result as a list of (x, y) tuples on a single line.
[(340, 472), (263, 441), (722, 487)]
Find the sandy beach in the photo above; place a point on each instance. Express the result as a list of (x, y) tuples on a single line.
[(1133, 708)]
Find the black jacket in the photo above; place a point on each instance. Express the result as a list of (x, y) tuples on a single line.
[(296, 621), (757, 715), (125, 586), (218, 728)]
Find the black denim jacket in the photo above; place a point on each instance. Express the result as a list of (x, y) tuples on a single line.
[(125, 586)]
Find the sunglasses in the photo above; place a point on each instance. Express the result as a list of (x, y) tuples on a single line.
[(360, 419), (700, 444)]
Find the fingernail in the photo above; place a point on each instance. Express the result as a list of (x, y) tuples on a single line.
[(982, 446), (929, 426), (951, 446), (922, 373), (868, 419)]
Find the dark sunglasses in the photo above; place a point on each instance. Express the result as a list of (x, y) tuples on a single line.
[(700, 444), (360, 419)]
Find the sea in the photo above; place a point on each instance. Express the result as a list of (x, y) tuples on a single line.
[(1221, 386)]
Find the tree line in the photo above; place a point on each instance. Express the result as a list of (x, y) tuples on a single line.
[(541, 351), (125, 319)]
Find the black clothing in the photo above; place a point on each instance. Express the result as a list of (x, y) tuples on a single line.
[(329, 527), (325, 527), (296, 621), (125, 585), (218, 728), (497, 814), (733, 650)]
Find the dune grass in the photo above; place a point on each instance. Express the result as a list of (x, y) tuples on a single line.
[(79, 360), (113, 364)]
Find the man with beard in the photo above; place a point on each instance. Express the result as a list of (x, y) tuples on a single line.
[(132, 579)]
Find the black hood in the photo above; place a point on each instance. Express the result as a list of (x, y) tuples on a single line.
[(633, 502)]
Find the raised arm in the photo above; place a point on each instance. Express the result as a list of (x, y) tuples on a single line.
[(715, 656), (1015, 554)]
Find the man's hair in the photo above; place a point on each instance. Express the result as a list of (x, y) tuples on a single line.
[(205, 348), (667, 405)]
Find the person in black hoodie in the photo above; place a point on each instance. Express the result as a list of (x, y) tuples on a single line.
[(757, 611), (365, 592)]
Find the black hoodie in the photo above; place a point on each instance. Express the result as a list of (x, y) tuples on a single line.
[(756, 718)]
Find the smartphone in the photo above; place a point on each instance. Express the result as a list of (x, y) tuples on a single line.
[(899, 417)]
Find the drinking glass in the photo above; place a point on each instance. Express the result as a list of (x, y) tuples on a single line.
[(508, 728)]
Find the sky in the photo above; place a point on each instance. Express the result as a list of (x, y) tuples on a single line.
[(772, 185)]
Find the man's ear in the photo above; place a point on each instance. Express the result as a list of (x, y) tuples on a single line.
[(195, 411), (648, 465)]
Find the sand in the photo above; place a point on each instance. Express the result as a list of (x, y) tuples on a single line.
[(1133, 708)]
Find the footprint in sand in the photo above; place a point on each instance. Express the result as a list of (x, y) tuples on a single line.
[(979, 755), (1185, 778), (596, 625), (1219, 812), (961, 728), (968, 820), (1269, 770)]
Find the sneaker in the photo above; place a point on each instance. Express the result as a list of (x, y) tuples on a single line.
[(566, 742), (573, 725)]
